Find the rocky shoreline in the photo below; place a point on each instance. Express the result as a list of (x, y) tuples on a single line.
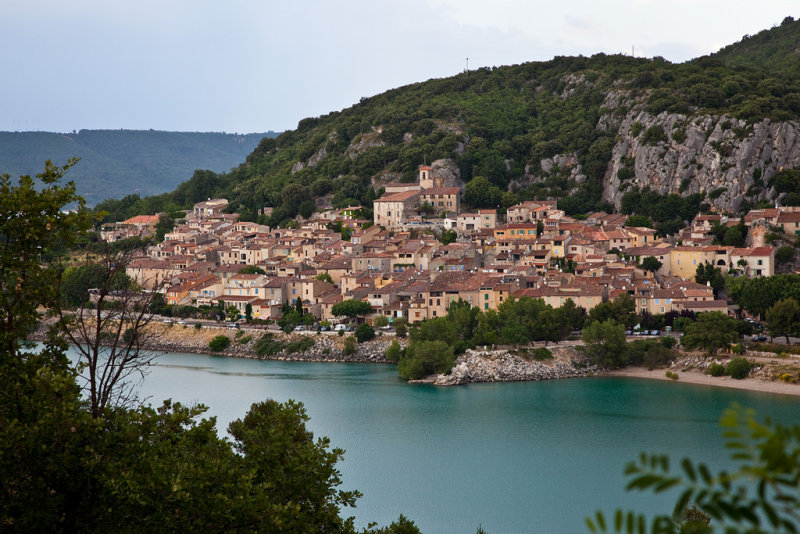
[(184, 338), (504, 366), (474, 366)]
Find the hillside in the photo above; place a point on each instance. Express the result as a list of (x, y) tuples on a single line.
[(115, 163), (591, 131)]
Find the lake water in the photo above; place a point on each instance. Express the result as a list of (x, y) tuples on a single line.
[(515, 457)]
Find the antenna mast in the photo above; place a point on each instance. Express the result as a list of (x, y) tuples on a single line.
[(467, 67)]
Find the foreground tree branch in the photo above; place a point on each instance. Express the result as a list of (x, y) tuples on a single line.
[(109, 327)]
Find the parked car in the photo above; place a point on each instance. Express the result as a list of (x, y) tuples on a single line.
[(655, 332), (299, 328), (232, 326), (340, 328), (168, 321), (759, 338)]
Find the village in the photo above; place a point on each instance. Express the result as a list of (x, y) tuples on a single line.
[(398, 263)]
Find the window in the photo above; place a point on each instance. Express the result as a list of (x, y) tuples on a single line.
[(486, 296), (486, 306)]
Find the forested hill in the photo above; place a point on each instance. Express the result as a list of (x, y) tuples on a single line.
[(115, 163), (591, 131)]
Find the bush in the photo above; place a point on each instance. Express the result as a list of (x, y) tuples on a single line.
[(244, 340), (349, 346), (219, 343), (716, 369), (364, 332), (267, 346), (400, 327), (671, 375), (301, 345), (393, 352), (541, 354), (654, 135), (785, 254), (738, 368), (198, 326)]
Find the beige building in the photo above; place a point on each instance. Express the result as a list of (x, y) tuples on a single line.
[(758, 261), (442, 199), (391, 211)]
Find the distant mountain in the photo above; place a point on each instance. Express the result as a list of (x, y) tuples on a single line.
[(116, 163)]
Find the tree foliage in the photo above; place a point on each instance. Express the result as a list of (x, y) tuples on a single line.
[(710, 332), (783, 318), (605, 344), (33, 228), (351, 308)]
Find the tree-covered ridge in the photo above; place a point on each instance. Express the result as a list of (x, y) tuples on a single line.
[(777, 48), (501, 123), (114, 163)]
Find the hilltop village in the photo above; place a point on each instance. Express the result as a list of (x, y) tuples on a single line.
[(400, 264)]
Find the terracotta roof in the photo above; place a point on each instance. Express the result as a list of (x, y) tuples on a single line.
[(142, 219), (397, 197)]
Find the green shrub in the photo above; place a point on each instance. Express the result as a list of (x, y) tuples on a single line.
[(654, 135), (300, 345), (678, 135), (400, 327), (738, 368), (541, 354), (364, 332), (244, 340), (636, 129), (785, 254), (671, 375), (716, 369), (219, 343), (737, 349), (267, 346), (349, 346), (667, 341), (393, 352), (198, 326)]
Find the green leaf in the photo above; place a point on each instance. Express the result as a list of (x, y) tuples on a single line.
[(688, 468)]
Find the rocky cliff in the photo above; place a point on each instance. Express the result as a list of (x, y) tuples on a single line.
[(730, 160)]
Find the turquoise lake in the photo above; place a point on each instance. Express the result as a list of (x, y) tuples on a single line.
[(513, 457)]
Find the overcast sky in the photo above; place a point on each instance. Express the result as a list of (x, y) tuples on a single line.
[(258, 65)]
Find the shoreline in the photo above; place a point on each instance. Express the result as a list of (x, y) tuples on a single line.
[(472, 367), (690, 376)]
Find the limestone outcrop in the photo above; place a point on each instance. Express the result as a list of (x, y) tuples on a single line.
[(502, 366)]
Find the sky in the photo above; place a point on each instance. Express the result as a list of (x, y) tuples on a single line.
[(257, 65)]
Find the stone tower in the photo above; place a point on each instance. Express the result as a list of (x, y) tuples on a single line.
[(425, 177)]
